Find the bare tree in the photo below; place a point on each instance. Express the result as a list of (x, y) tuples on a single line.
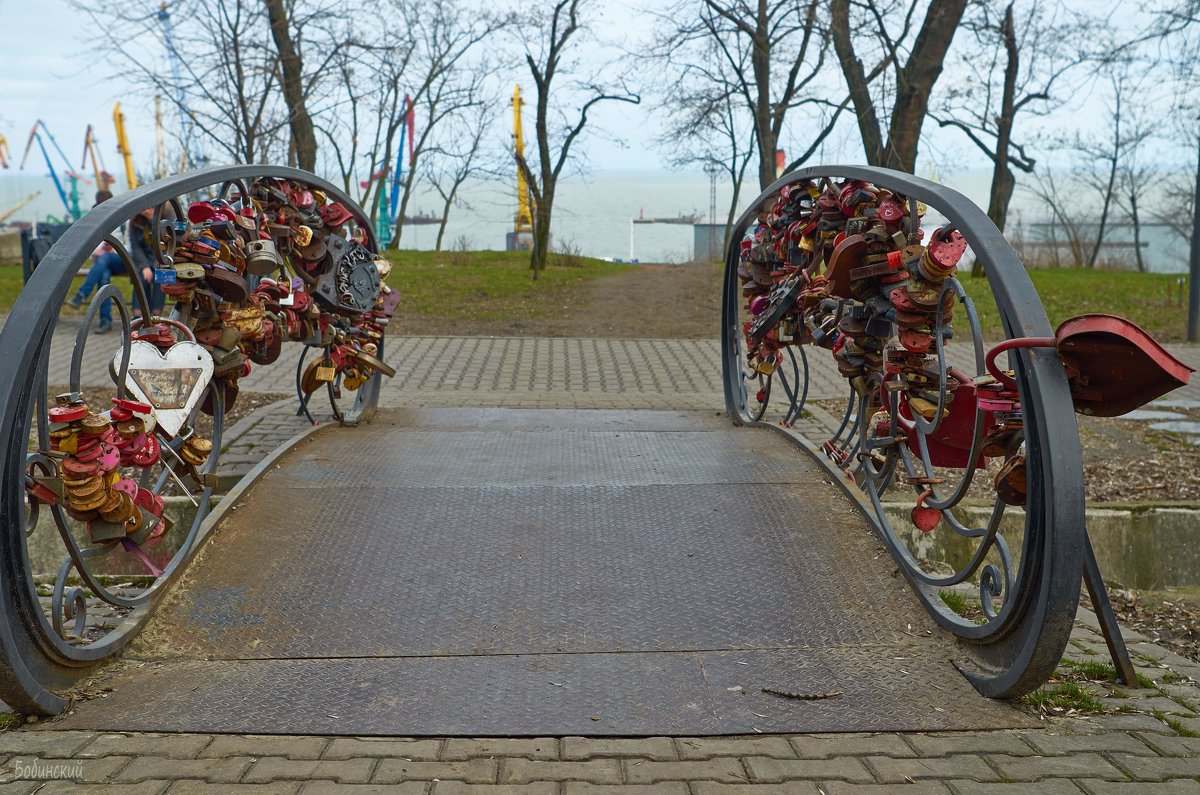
[(1066, 217), (460, 155), (882, 28), (288, 33), (449, 75), (547, 36), (1177, 201), (764, 57), (1135, 178), (1104, 156), (1176, 29), (364, 115), (1019, 65), (706, 129), (223, 78)]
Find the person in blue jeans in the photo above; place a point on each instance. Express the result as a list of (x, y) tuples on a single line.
[(106, 263)]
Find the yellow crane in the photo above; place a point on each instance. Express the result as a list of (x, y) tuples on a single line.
[(123, 146), (4, 153), (524, 220), (5, 215)]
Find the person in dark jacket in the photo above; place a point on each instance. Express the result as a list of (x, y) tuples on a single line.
[(142, 252)]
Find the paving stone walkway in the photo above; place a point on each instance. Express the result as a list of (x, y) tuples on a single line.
[(552, 372), (1148, 741)]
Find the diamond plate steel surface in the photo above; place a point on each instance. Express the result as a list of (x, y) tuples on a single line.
[(505, 572), (656, 693), (436, 458)]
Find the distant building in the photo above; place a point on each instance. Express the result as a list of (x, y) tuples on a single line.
[(518, 241)]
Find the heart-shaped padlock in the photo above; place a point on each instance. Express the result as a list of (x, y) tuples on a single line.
[(172, 381)]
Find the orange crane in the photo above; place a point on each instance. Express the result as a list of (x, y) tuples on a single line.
[(4, 216), (104, 180)]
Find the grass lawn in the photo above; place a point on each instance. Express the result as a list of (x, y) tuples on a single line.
[(487, 285), (11, 283), (495, 286), (1149, 299)]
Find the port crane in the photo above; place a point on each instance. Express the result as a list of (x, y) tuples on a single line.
[(385, 211), (71, 204), (104, 180), (4, 216), (185, 116), (523, 223), (407, 125), (4, 153), (131, 180)]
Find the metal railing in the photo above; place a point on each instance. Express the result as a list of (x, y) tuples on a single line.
[(48, 641), (1024, 571)]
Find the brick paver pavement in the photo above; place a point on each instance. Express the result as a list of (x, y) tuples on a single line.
[(562, 372), (1147, 742)]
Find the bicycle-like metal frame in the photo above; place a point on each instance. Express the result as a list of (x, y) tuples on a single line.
[(45, 646), (1027, 603)]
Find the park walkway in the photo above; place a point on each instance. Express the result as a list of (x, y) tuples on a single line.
[(1145, 743)]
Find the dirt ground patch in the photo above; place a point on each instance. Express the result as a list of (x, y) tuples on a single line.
[(1169, 618), (646, 301)]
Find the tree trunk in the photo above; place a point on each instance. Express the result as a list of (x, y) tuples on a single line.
[(760, 60), (1112, 180), (303, 136), (459, 178), (915, 82), (856, 81), (1002, 176), (1193, 318), (1137, 230), (540, 253), (1003, 181), (442, 226), (733, 205)]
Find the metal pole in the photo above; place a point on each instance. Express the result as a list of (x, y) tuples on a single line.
[(1193, 326)]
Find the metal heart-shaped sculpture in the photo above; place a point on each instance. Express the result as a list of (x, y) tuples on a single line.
[(172, 383), (1114, 366)]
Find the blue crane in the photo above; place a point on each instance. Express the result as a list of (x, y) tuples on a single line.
[(71, 204), (185, 117)]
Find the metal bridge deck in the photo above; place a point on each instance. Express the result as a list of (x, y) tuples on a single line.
[(519, 572)]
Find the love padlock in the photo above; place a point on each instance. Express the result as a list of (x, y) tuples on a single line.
[(925, 518), (1011, 485)]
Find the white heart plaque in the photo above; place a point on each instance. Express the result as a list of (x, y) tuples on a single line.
[(172, 383)]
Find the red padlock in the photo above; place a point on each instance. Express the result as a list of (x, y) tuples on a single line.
[(41, 493), (149, 452), (923, 517)]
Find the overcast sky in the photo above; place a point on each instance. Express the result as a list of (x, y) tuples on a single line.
[(48, 73)]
